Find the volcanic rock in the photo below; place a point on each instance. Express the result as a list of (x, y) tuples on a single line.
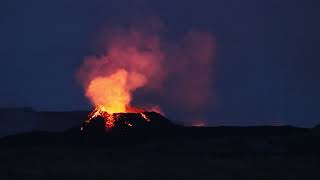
[(128, 121)]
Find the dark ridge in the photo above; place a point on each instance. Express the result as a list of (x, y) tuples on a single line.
[(59, 121), (25, 119), (159, 131)]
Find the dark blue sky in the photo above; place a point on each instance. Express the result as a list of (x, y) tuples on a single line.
[(266, 69)]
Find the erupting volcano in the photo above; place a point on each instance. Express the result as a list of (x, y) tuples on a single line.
[(134, 59), (111, 95)]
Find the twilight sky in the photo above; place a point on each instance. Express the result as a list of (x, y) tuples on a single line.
[(265, 72)]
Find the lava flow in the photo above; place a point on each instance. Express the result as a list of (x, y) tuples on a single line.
[(111, 118)]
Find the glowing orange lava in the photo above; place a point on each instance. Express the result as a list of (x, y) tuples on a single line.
[(109, 119), (109, 93), (145, 117)]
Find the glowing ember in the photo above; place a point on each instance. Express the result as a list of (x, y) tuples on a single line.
[(145, 117), (129, 124)]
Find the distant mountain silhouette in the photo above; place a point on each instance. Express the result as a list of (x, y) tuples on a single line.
[(19, 120)]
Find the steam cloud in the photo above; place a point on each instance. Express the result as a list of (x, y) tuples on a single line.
[(180, 72)]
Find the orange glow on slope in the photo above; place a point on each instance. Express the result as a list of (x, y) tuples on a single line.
[(109, 119), (198, 123)]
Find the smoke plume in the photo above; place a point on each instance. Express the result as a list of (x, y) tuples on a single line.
[(139, 58)]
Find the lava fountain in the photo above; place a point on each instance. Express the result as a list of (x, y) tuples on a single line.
[(112, 95)]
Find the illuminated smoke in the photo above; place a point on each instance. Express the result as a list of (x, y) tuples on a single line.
[(136, 58)]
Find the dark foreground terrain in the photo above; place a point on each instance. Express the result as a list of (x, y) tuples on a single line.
[(149, 162), (166, 152), (180, 153)]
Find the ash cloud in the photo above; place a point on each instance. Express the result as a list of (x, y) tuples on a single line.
[(179, 72)]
